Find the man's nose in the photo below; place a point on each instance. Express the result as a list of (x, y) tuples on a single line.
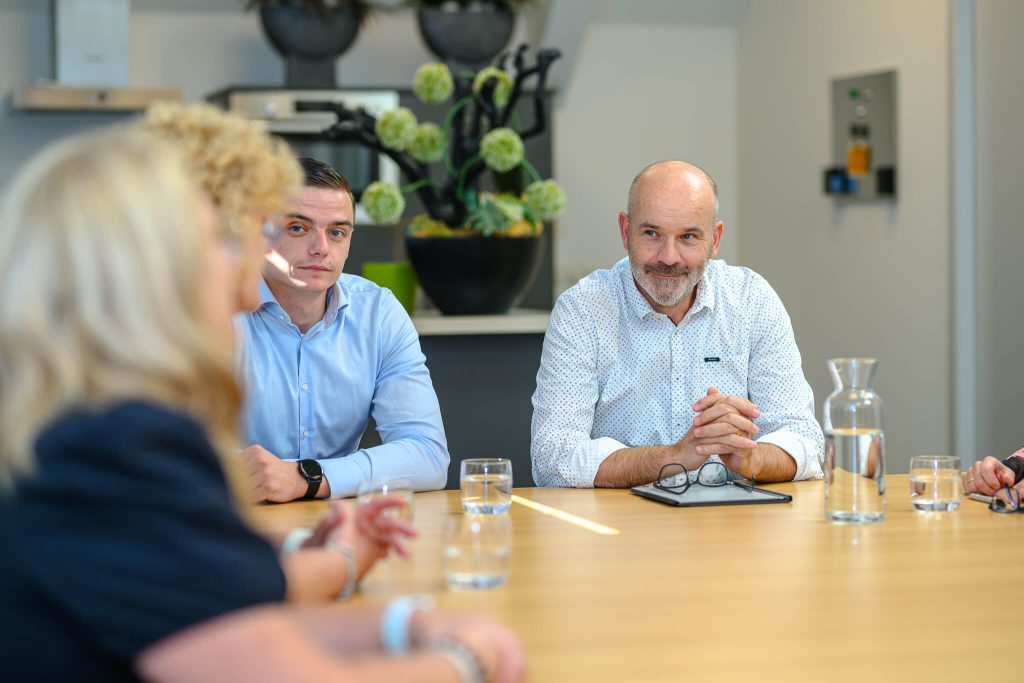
[(669, 252), (317, 242)]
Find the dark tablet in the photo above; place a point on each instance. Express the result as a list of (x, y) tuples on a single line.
[(733, 493)]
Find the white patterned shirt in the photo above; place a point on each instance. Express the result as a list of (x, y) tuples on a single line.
[(617, 374)]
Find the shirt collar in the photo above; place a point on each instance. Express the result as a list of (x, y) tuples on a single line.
[(705, 292), (337, 298)]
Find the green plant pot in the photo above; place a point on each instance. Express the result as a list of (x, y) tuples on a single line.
[(398, 277)]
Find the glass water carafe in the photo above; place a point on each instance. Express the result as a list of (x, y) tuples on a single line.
[(854, 444)]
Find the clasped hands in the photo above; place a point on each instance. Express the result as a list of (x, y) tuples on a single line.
[(723, 426), (369, 529), (989, 476)]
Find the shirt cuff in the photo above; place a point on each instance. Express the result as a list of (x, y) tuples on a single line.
[(343, 474), (808, 466), (598, 451)]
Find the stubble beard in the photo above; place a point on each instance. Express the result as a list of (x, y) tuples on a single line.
[(666, 293)]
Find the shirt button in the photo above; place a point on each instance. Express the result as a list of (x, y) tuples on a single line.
[(305, 386), (305, 432)]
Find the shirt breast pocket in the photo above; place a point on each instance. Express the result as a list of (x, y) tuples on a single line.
[(728, 374)]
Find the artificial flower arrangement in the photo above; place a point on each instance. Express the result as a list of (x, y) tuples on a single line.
[(480, 133)]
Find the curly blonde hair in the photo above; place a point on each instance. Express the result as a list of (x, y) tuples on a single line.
[(247, 172)]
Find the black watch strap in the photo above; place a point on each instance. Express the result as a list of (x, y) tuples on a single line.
[(313, 474), (312, 486)]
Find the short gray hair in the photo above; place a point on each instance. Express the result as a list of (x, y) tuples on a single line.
[(649, 167)]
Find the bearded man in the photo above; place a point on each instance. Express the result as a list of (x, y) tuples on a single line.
[(670, 359)]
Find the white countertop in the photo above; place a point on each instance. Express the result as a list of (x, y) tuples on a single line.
[(516, 321)]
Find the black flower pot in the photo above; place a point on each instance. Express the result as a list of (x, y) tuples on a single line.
[(310, 41), (473, 34), (475, 275)]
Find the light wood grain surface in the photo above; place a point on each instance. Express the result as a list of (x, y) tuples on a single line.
[(764, 592)]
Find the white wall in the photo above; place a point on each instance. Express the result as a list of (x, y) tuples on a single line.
[(25, 57), (639, 93), (866, 279), (999, 112)]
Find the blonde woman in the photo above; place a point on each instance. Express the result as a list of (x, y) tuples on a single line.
[(124, 557), (251, 178)]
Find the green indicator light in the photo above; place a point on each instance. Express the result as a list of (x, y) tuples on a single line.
[(854, 94)]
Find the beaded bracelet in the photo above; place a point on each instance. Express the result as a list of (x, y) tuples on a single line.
[(1016, 463), (394, 624), (350, 567), (462, 659), (294, 540)]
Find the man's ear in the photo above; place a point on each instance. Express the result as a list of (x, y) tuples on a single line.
[(624, 229), (717, 237)]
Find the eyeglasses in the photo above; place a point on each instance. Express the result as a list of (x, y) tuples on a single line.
[(271, 231), (1008, 503), (712, 473)]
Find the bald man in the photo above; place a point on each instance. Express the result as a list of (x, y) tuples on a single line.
[(671, 359)]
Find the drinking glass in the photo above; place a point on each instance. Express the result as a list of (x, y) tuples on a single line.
[(935, 483), (399, 488), (486, 485), (476, 550), (854, 444)]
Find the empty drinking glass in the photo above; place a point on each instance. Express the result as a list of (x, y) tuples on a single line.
[(399, 488), (476, 550), (935, 484), (486, 485)]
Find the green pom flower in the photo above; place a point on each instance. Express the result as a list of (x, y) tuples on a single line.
[(433, 83), (545, 199), (396, 128), (501, 149), (494, 213), (383, 202), (428, 143), (502, 89)]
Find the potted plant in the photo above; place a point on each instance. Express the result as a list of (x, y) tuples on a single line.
[(311, 35), (474, 250)]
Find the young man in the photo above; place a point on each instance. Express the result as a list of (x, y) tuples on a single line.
[(671, 357), (323, 352)]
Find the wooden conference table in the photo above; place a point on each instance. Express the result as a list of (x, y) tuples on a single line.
[(761, 592)]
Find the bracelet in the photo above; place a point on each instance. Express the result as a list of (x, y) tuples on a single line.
[(1016, 465), (394, 624), (350, 567), (462, 659), (294, 540)]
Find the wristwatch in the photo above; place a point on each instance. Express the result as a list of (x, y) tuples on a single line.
[(313, 474)]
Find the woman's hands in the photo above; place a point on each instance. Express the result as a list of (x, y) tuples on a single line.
[(371, 530)]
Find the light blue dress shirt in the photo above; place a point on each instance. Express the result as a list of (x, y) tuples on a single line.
[(616, 374), (310, 395)]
